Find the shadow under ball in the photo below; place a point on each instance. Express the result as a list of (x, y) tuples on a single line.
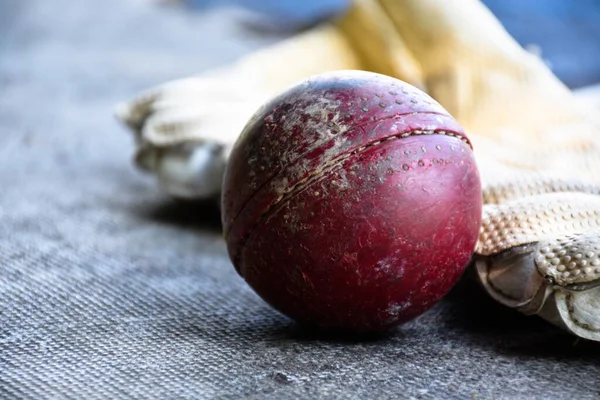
[(351, 201)]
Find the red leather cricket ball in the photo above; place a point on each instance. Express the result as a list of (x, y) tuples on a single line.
[(352, 200)]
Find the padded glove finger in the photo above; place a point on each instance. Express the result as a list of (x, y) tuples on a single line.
[(556, 278)]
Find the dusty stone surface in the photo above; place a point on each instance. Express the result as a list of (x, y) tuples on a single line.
[(108, 289)]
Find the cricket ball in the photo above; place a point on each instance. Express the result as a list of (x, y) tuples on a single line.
[(351, 200)]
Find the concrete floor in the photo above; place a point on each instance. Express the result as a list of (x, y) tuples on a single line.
[(108, 289)]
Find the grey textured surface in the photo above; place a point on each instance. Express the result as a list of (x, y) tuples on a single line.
[(110, 290)]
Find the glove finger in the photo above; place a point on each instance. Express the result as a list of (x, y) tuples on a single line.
[(218, 122), (575, 311), (181, 92), (189, 170), (557, 278), (187, 148), (134, 113), (373, 36), (571, 261), (533, 218)]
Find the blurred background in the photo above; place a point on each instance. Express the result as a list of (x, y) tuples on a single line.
[(565, 33)]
